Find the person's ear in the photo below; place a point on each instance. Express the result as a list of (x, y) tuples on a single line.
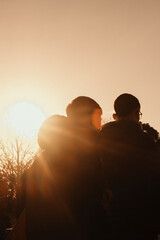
[(115, 116)]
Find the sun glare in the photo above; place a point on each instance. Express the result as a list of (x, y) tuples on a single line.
[(25, 118)]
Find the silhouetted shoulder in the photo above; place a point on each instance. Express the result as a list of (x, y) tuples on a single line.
[(109, 127), (128, 132), (149, 142)]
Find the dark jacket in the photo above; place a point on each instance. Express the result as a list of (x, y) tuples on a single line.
[(127, 154), (64, 189), (86, 202), (47, 212)]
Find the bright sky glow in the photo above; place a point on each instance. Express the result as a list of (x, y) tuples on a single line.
[(25, 118), (53, 51)]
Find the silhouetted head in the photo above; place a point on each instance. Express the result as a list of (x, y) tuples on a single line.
[(52, 133), (127, 106), (86, 111)]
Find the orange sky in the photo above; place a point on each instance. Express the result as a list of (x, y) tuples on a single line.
[(54, 50)]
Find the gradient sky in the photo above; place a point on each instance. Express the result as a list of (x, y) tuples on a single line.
[(51, 51)]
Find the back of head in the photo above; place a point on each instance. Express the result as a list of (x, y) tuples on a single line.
[(125, 104), (82, 107), (51, 135)]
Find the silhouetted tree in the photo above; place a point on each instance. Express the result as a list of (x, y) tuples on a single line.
[(16, 156)]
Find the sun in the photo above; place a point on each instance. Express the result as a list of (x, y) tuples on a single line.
[(25, 118)]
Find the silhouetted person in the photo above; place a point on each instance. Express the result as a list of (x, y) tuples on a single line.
[(48, 185), (84, 115), (127, 160), (85, 111), (64, 186)]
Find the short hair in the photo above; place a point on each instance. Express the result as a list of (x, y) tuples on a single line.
[(52, 132), (81, 106), (125, 104)]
